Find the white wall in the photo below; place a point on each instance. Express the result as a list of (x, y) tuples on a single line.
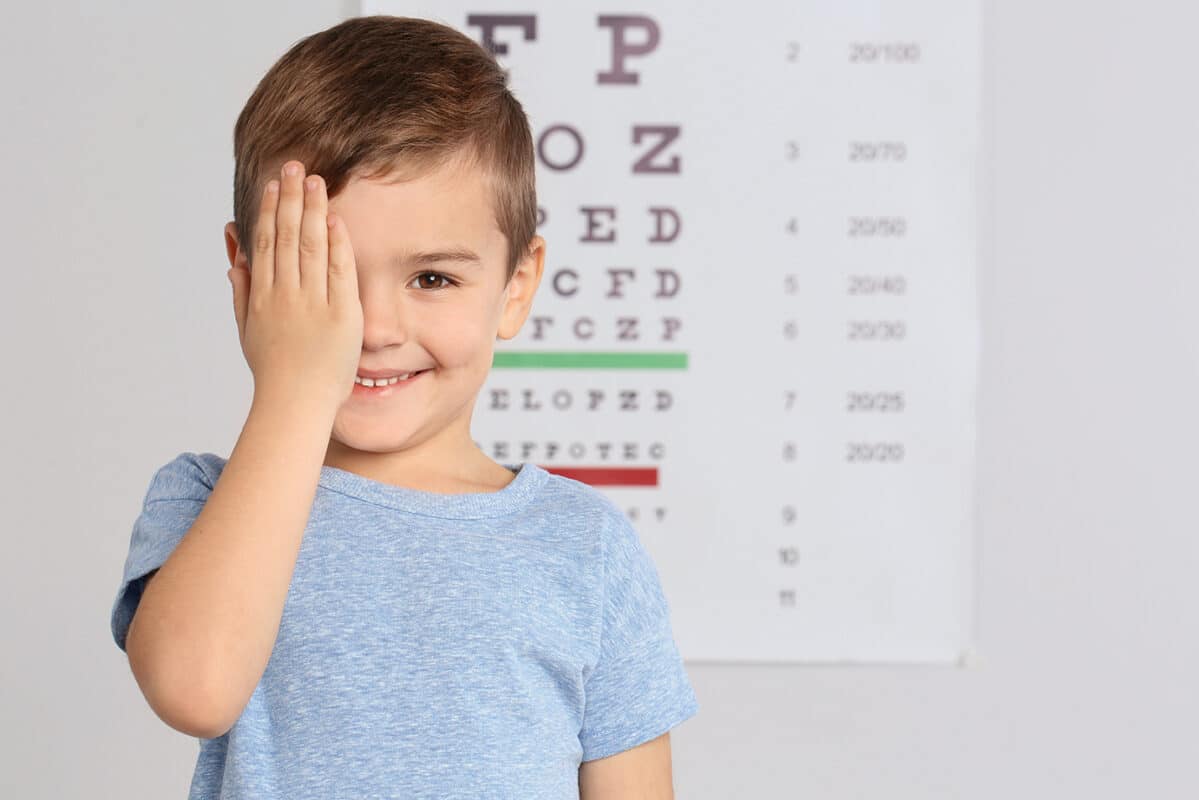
[(118, 136)]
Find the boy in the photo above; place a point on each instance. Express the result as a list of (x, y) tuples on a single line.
[(358, 602)]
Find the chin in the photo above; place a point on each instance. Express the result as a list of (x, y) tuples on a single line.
[(357, 436)]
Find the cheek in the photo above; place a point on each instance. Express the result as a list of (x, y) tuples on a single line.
[(466, 338)]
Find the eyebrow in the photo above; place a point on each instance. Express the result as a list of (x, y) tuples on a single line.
[(453, 254)]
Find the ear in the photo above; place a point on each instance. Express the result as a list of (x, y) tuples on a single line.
[(237, 256), (521, 288)]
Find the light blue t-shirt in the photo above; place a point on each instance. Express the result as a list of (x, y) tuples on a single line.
[(437, 645)]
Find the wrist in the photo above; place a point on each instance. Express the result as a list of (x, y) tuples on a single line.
[(293, 403)]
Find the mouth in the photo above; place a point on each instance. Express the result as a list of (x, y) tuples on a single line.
[(384, 386)]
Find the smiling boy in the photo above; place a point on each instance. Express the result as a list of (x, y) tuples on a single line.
[(358, 602), (435, 295)]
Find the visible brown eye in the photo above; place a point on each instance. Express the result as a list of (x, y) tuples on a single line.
[(447, 279)]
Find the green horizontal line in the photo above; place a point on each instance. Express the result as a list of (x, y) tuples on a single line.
[(585, 360)]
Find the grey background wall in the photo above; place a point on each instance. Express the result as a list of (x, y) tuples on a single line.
[(121, 351)]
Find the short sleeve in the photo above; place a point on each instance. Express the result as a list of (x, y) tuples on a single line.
[(638, 688), (176, 494)]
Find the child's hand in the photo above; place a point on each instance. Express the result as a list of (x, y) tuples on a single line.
[(298, 313)]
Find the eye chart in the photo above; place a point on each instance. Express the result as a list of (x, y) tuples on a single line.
[(757, 327)]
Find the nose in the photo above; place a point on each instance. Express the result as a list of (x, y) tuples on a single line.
[(384, 320)]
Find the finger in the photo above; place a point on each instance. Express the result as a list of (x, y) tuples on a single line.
[(262, 259), (314, 239), (287, 226), (343, 271)]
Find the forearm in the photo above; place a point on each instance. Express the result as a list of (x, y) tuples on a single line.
[(207, 622)]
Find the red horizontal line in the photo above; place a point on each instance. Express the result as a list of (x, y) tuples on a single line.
[(609, 476)]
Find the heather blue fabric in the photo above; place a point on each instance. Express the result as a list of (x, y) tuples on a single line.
[(438, 645)]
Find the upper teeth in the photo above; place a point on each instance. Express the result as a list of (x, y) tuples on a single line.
[(382, 381)]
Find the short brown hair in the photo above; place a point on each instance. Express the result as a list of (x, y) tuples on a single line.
[(381, 96)]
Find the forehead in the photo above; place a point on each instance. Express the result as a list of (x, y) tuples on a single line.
[(439, 208)]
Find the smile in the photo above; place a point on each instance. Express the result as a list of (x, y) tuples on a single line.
[(382, 387)]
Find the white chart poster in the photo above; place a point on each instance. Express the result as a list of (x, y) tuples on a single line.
[(757, 329)]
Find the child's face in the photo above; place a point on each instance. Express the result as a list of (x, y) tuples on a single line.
[(413, 320)]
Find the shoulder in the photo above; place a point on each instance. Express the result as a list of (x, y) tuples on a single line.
[(585, 504), (613, 536), (187, 476)]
